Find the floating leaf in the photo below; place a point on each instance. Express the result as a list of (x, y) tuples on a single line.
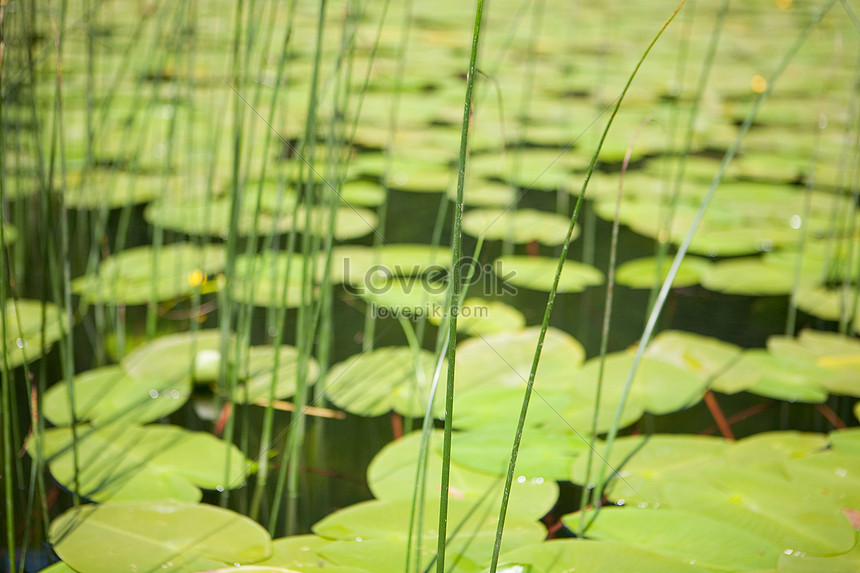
[(520, 226), (658, 387), (358, 265), (391, 378), (300, 552), (107, 394), (682, 535), (505, 359), (765, 504), (700, 355), (838, 354), (258, 373), (129, 462), (828, 304), (785, 378), (642, 272), (538, 273), (127, 277), (373, 535), (259, 279), (542, 452), (641, 478), (27, 336), (405, 296), (800, 562), (177, 356), (162, 536), (392, 473), (563, 555), (751, 277), (479, 316)]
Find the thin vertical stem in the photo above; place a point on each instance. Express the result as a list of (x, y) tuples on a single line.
[(454, 293)]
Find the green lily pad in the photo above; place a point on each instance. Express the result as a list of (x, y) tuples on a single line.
[(836, 353), (126, 278), (799, 562), (373, 535), (641, 479), (27, 336), (300, 552), (107, 394), (538, 273), (505, 360), (498, 407), (349, 222), (686, 536), (156, 536), (782, 378), (130, 462), (412, 174), (405, 296), (748, 277), (483, 193), (391, 378), (703, 356), (832, 473), (393, 471), (362, 193), (480, 317), (545, 453), (99, 188), (764, 504), (521, 226), (259, 279), (188, 355), (258, 374), (642, 273), (357, 265), (202, 215), (658, 387), (564, 555), (827, 303)]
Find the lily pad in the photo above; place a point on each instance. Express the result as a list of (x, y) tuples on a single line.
[(564, 555), (505, 360), (765, 504), (188, 355), (642, 273), (406, 296), (27, 336), (392, 476), (658, 387), (479, 316), (127, 277), (686, 536), (373, 535), (357, 265), (520, 226), (549, 454), (838, 354), (704, 356), (130, 462), (259, 279), (782, 378), (751, 277), (641, 478), (300, 552), (391, 378), (828, 304), (258, 374), (156, 536), (107, 394), (538, 273)]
